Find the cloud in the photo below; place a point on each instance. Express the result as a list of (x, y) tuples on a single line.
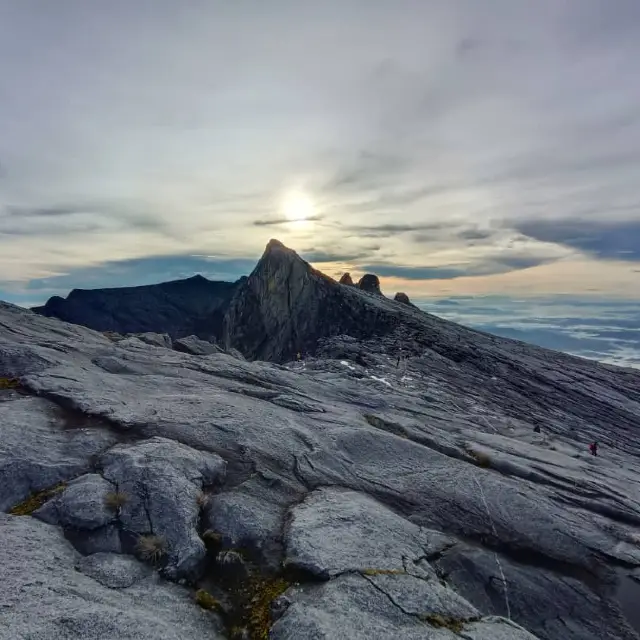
[(602, 239), (422, 138), (134, 272), (320, 256), (76, 219), (267, 222)]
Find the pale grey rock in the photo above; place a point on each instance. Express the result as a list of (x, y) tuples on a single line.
[(113, 570), (423, 597), (353, 607), (37, 451), (162, 480), (44, 597), (157, 339), (82, 504), (195, 346), (492, 628), (334, 531)]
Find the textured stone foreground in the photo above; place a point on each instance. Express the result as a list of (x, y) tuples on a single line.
[(339, 497)]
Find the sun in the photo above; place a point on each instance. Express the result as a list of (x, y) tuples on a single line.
[(297, 206)]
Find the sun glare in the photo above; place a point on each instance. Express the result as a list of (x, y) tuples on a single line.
[(297, 207)]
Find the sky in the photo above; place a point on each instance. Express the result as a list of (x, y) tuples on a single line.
[(453, 147)]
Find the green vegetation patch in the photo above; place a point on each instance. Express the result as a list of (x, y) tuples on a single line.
[(445, 622), (9, 383), (36, 500)]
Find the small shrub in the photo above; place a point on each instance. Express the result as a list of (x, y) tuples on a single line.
[(202, 499), (205, 600), (151, 547), (115, 500), (36, 500)]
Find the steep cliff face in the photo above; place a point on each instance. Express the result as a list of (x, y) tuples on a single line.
[(285, 307), (194, 306)]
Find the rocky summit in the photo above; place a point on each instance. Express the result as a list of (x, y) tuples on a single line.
[(406, 477)]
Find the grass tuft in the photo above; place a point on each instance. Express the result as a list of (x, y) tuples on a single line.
[(151, 548), (36, 500), (115, 500)]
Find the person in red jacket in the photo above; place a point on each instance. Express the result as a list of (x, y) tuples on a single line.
[(593, 447)]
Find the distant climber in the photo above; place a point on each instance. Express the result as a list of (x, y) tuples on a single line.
[(593, 447), (298, 356), (536, 429)]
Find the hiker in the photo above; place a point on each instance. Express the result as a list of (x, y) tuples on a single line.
[(593, 447), (536, 429), (299, 356)]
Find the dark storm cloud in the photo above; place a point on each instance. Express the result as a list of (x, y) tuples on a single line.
[(318, 255), (601, 239), (138, 272)]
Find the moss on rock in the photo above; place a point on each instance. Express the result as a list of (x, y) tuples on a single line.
[(36, 500)]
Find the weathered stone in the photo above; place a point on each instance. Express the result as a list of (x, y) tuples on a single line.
[(43, 595), (335, 531), (162, 480), (156, 339), (195, 346), (38, 452), (370, 283), (402, 297), (346, 279), (82, 504), (113, 570)]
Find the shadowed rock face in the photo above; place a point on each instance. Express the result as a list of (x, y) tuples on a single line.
[(346, 279), (370, 283), (286, 306), (194, 306)]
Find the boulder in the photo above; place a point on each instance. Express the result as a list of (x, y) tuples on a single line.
[(334, 531), (346, 279), (402, 297), (38, 451), (196, 347), (162, 480), (156, 339), (370, 283)]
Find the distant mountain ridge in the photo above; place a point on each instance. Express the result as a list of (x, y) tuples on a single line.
[(283, 307), (194, 306)]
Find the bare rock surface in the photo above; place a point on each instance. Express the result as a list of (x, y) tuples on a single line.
[(410, 499), (44, 596)]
